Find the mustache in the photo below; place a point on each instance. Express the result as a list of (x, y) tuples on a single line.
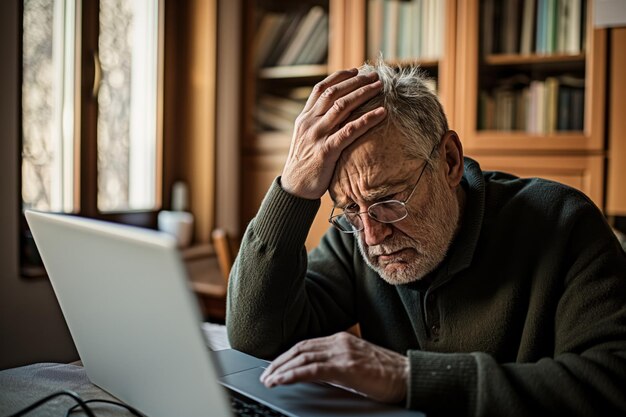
[(394, 245)]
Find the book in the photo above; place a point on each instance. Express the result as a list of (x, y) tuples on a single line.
[(538, 106), (416, 18), (562, 24), (301, 36), (564, 112), (405, 30), (578, 109), (574, 27), (540, 39), (528, 27), (552, 87), (575, 107), (510, 29), (314, 52), (438, 34), (551, 27), (267, 34), (375, 10), (431, 27), (521, 107), (287, 31), (318, 51), (390, 29)]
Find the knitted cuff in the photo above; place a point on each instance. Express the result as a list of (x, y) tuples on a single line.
[(442, 383)]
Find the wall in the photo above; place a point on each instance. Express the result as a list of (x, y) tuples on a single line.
[(32, 328)]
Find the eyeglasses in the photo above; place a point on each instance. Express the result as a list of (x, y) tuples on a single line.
[(388, 211)]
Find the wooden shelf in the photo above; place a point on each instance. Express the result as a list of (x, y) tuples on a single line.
[(270, 141), (522, 141), (516, 59), (426, 63), (293, 71)]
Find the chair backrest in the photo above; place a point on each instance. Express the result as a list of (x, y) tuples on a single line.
[(224, 252)]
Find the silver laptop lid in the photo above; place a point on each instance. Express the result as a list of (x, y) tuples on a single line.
[(125, 298)]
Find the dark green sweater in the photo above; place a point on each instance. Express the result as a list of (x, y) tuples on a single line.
[(525, 316)]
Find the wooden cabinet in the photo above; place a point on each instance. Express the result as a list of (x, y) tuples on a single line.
[(470, 69)]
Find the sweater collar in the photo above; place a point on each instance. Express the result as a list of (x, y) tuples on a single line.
[(462, 250)]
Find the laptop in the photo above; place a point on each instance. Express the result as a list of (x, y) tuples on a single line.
[(136, 325)]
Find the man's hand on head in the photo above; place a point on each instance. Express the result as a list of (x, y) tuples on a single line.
[(321, 132), (345, 360)]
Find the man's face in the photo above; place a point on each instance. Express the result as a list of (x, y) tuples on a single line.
[(376, 169)]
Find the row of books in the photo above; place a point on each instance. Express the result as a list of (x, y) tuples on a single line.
[(277, 111), (405, 29), (298, 37), (536, 107), (533, 26)]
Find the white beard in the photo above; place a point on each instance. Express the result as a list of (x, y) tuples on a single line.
[(434, 227)]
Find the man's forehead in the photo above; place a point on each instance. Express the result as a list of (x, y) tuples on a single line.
[(372, 167), (369, 183)]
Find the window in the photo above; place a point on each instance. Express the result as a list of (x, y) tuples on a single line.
[(91, 108)]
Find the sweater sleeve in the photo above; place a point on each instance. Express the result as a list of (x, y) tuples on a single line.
[(275, 297), (586, 375)]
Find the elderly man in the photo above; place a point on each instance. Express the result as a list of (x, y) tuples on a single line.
[(477, 293)]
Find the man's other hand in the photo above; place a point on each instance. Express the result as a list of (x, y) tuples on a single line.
[(345, 360), (321, 132)]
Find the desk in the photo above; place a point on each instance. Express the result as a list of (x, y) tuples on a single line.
[(20, 387)]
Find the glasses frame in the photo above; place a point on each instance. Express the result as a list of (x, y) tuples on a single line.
[(334, 218)]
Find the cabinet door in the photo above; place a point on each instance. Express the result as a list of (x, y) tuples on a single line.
[(583, 173), (616, 188)]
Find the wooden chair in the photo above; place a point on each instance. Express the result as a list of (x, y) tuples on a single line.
[(224, 252), (212, 294)]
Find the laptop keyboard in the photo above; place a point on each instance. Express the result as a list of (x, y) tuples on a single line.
[(247, 407)]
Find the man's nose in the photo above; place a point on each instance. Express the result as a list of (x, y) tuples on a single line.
[(373, 231)]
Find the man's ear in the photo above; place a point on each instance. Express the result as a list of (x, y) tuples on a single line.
[(453, 157)]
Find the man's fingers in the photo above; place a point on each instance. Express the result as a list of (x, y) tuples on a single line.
[(335, 94), (307, 373), (351, 131), (332, 79), (296, 362), (300, 349)]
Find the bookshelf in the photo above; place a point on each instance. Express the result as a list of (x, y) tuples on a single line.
[(532, 103), (466, 66), (413, 32), (287, 51)]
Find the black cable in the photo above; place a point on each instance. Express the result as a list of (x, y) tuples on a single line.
[(128, 407), (75, 396)]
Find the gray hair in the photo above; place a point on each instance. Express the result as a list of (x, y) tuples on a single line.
[(412, 108)]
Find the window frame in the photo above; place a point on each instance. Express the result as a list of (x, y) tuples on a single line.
[(85, 135)]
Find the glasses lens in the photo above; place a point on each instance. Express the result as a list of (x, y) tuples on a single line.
[(388, 211), (347, 222), (354, 220)]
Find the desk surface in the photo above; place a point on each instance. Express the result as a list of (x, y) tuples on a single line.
[(20, 387)]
